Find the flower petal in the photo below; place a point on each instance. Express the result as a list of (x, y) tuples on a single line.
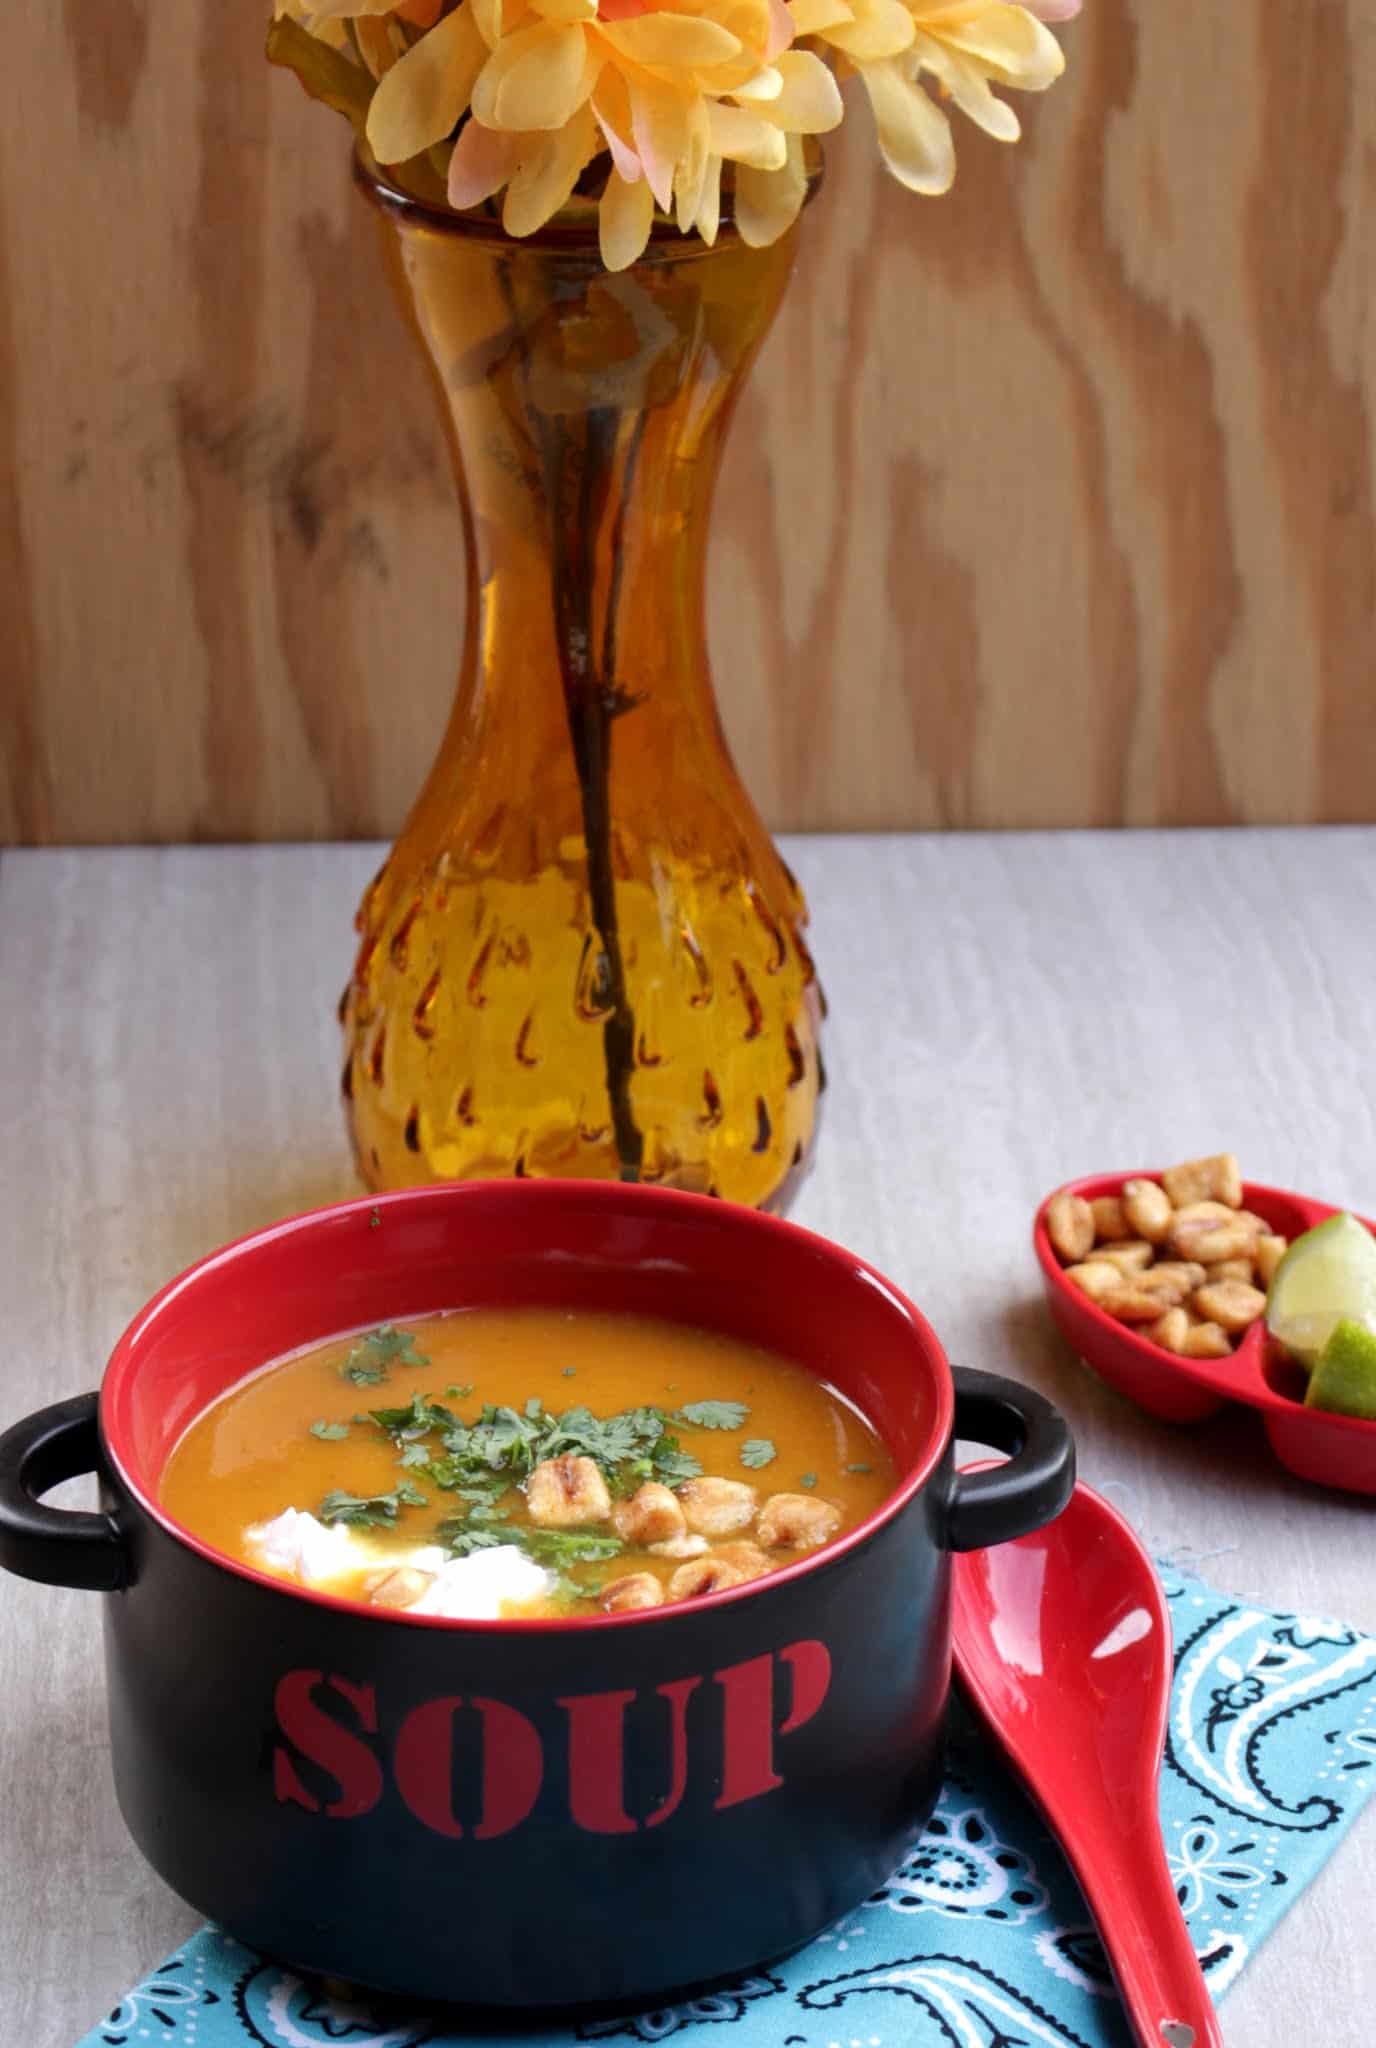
[(810, 102), (547, 173), (692, 167), (625, 216), (881, 28), (565, 10), (781, 30), (426, 92), (482, 161), (673, 41), (746, 138), (966, 86), (611, 106), (768, 202), (488, 15), (1007, 43), (914, 136), (709, 211), (762, 86), (659, 130), (537, 79), (810, 17)]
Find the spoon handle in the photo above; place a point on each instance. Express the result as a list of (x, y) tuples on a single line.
[(1131, 1895)]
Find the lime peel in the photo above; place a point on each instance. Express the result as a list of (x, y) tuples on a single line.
[(1327, 1277)]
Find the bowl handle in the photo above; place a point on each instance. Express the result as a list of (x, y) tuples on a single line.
[(58, 1546), (1004, 1501)]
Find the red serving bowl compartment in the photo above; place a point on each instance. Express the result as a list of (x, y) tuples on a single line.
[(1331, 1450)]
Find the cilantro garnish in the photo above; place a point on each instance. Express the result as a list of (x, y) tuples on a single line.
[(461, 1541), (557, 1547), (713, 1414), (757, 1451), (368, 1360), (330, 1432), (416, 1420), (371, 1511), (569, 1371), (457, 1393), (808, 1479), (859, 1468)]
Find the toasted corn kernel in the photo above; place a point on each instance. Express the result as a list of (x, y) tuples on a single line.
[(1147, 1210), (1187, 1271), (1110, 1220), (1070, 1226), (679, 1546), (1130, 1256), (1232, 1304), (1168, 1282), (563, 1493), (797, 1521), (1195, 1180), (1208, 1232), (626, 1595), (651, 1515), (718, 1507), (400, 1587), (1170, 1330), (746, 1558), (1268, 1255), (1095, 1277), (1133, 1304), (704, 1575), (1207, 1340), (1229, 1269)]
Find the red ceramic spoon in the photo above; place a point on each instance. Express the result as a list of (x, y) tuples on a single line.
[(1063, 1648)]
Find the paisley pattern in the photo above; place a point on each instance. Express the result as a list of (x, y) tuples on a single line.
[(980, 1938)]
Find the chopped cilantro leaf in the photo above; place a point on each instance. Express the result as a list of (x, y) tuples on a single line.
[(330, 1432), (415, 1420), (556, 1547), (671, 1465), (713, 1414), (371, 1511), (808, 1479), (461, 1541), (757, 1451), (368, 1360), (859, 1468), (457, 1393), (569, 1371)]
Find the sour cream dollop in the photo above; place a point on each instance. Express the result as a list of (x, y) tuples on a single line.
[(477, 1588)]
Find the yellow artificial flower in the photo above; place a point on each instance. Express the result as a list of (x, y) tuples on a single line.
[(534, 90), (671, 93), (965, 45)]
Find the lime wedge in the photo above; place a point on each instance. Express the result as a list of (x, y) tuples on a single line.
[(1326, 1277), (1344, 1380)]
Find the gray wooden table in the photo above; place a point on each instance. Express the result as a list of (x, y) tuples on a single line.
[(1006, 1012)]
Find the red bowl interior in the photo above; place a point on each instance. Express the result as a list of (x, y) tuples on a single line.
[(1333, 1450), (558, 1244)]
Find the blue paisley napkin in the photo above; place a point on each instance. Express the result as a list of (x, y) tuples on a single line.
[(980, 1935)]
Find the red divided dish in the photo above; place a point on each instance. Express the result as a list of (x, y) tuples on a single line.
[(1332, 1450)]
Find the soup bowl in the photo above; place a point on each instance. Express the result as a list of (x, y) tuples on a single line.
[(528, 1813)]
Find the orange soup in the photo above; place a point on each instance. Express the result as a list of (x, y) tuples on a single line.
[(501, 1462)]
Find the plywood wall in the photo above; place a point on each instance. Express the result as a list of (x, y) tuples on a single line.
[(1051, 503)]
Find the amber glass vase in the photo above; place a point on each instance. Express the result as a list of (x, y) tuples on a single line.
[(583, 955)]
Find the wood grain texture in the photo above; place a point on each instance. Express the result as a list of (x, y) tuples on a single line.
[(1050, 503), (982, 1047)]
